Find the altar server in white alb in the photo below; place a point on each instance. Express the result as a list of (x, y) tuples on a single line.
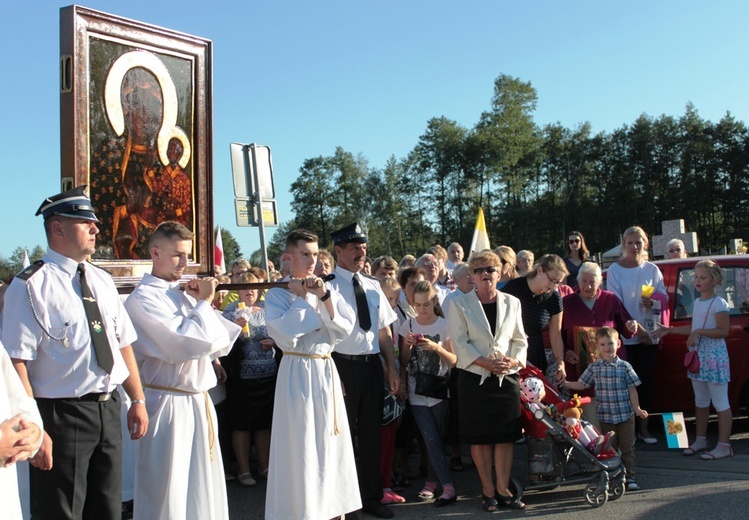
[(179, 473), (20, 434), (312, 473)]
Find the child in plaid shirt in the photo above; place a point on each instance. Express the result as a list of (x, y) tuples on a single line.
[(616, 397)]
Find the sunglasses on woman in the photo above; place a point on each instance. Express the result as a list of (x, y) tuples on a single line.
[(479, 270)]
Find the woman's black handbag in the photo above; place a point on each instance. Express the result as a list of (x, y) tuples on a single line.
[(430, 385)]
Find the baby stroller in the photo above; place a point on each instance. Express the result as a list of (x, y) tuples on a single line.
[(555, 458)]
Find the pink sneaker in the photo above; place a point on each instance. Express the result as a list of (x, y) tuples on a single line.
[(391, 497)]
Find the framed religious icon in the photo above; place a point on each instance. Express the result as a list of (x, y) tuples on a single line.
[(135, 117), (585, 347)]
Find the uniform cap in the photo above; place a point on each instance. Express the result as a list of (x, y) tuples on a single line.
[(351, 233), (72, 203)]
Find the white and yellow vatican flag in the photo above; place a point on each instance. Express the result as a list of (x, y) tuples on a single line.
[(480, 236)]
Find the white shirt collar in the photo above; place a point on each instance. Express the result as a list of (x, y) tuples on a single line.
[(65, 263), (345, 273)]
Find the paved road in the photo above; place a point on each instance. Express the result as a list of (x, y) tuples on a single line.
[(674, 486)]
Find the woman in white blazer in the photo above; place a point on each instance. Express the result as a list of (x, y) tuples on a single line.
[(488, 337)]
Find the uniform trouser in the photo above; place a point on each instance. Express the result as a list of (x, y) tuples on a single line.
[(85, 481), (364, 383)]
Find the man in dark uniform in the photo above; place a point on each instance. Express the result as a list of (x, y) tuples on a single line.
[(69, 337), (358, 361)]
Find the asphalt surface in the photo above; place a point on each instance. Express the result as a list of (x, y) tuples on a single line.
[(672, 485)]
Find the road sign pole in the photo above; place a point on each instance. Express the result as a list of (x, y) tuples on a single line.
[(260, 220)]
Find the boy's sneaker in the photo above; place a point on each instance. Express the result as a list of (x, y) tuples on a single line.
[(391, 497), (647, 439), (632, 484)]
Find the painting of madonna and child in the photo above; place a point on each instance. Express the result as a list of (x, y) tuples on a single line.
[(135, 107), (140, 168)]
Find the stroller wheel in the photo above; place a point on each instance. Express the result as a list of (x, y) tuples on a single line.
[(619, 486), (594, 496)]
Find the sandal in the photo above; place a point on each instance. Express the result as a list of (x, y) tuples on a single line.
[(427, 492), (711, 456), (512, 502), (695, 447), (489, 504)]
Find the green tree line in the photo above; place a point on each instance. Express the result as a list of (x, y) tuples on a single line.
[(10, 266), (535, 183)]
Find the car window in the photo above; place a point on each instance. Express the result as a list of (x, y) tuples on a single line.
[(735, 290), (685, 294), (736, 285)]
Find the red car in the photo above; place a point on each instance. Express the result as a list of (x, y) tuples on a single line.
[(673, 390)]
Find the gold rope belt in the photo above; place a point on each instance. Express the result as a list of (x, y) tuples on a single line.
[(209, 418), (329, 359)]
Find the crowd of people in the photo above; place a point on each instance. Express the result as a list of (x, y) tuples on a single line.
[(332, 381)]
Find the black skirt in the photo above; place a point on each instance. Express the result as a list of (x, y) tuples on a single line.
[(489, 413), (250, 403)]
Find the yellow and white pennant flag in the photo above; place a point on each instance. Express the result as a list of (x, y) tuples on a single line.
[(480, 236)]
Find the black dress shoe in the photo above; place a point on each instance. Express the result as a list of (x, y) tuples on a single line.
[(378, 510), (442, 502)]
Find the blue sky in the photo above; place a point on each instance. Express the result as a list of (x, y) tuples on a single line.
[(305, 77)]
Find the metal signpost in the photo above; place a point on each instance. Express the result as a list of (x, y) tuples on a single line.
[(254, 189)]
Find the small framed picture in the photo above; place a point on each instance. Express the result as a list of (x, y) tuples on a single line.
[(585, 346)]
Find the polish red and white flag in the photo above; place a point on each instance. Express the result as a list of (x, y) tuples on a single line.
[(218, 252)]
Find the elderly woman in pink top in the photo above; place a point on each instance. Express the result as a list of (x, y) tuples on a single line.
[(594, 308), (585, 312)]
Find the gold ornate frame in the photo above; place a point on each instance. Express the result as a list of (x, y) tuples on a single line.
[(108, 103)]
